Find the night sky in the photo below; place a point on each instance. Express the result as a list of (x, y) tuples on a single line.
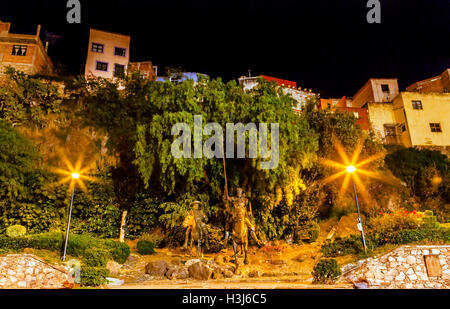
[(321, 44)]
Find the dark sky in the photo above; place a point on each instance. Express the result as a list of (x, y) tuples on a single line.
[(326, 45)]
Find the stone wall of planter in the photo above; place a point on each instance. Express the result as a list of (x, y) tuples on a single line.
[(30, 272), (407, 267)]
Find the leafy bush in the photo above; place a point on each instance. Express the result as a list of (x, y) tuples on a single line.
[(119, 251), (93, 276), (155, 238), (401, 219), (327, 271), (16, 231), (349, 245), (145, 247), (142, 215), (427, 175), (96, 257)]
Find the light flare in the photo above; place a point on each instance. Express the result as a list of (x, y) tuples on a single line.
[(75, 174), (351, 168)]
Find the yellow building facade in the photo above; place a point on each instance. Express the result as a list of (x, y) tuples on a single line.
[(425, 116)]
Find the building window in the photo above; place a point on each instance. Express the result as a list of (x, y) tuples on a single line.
[(101, 66), (385, 88), (119, 51), (19, 50), (390, 134), (417, 105), (119, 70), (435, 127), (98, 48), (356, 114)]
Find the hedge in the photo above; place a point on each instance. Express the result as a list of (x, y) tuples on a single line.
[(77, 245), (353, 244)]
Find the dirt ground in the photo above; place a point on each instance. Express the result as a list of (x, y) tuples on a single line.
[(276, 265)]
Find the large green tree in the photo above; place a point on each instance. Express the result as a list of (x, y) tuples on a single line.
[(138, 116)]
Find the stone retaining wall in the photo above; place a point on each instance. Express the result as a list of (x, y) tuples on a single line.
[(30, 272), (406, 267)]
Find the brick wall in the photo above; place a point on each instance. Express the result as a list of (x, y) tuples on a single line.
[(407, 267), (28, 271)]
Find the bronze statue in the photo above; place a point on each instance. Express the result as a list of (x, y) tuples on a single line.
[(239, 218), (196, 228)]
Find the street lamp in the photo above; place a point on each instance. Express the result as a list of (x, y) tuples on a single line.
[(352, 169), (74, 176)]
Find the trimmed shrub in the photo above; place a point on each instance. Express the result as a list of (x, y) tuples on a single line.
[(145, 247), (429, 220), (409, 236), (327, 271), (93, 276), (49, 241), (353, 244), (16, 243), (16, 231), (119, 251), (96, 257)]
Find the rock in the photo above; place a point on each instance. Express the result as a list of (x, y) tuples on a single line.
[(400, 277), (361, 285), (192, 261), (200, 271), (219, 259), (227, 273), (410, 260), (132, 260), (113, 267), (277, 262), (176, 261), (156, 268), (253, 274), (28, 250), (177, 272)]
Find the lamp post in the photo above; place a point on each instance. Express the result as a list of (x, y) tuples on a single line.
[(74, 176), (352, 169)]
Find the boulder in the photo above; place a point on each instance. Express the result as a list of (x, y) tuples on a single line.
[(113, 267), (227, 273), (177, 272), (253, 274), (200, 271), (176, 261), (191, 261), (156, 268), (132, 260)]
